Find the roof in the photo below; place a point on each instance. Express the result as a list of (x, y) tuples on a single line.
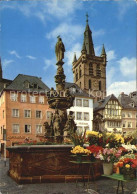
[(19, 83), (102, 103), (4, 83), (76, 90), (128, 101)]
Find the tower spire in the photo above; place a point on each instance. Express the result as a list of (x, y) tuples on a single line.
[(0, 70), (88, 39), (103, 52), (83, 48), (75, 58)]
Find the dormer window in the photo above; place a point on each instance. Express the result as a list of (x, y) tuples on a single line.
[(73, 89), (35, 85), (26, 84)]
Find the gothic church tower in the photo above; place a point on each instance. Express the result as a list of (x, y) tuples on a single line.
[(89, 71)]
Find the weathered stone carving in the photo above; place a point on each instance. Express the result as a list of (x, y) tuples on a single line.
[(70, 126), (60, 100), (59, 49), (47, 129)]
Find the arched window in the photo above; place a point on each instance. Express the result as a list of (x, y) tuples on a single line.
[(90, 69), (98, 72), (89, 83), (99, 85), (76, 75), (80, 72)]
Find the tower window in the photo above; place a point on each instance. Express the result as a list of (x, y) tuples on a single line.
[(89, 83), (99, 85), (90, 69), (79, 72), (98, 72), (76, 75)]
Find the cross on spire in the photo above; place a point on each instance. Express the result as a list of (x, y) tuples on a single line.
[(87, 17)]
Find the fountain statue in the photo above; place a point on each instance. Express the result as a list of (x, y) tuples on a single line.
[(60, 100)]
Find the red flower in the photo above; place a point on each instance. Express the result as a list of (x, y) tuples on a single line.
[(134, 161), (107, 141), (94, 149), (133, 166), (127, 160), (123, 149), (120, 164)]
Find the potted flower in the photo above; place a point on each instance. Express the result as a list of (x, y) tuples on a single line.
[(128, 168), (108, 156), (94, 138), (79, 151), (94, 151), (105, 139)]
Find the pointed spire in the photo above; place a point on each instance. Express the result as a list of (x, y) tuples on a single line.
[(84, 48), (75, 58), (88, 39), (103, 53), (0, 70)]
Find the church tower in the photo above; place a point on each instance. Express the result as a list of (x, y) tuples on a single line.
[(89, 71), (0, 71)]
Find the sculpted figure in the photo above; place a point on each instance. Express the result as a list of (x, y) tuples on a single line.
[(59, 49), (70, 126), (67, 93), (56, 124), (47, 129)]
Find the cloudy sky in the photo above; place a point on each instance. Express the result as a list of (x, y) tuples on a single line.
[(29, 31)]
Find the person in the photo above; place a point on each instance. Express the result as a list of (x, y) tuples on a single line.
[(59, 49)]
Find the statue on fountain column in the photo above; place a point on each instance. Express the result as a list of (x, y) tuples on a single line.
[(59, 49), (56, 123), (70, 126)]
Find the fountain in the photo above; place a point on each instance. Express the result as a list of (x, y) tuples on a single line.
[(60, 99), (50, 163)]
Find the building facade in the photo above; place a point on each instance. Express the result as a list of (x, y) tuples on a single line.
[(107, 115), (89, 70), (3, 82), (129, 111), (82, 108), (23, 110)]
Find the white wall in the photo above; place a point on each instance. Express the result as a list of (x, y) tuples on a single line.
[(83, 123)]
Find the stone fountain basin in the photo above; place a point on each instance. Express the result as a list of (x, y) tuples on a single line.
[(46, 163), (60, 102)]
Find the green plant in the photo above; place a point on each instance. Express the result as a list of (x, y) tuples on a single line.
[(78, 139)]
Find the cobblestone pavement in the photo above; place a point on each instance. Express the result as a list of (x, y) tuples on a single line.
[(102, 186)]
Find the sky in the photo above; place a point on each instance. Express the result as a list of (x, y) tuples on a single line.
[(29, 30)]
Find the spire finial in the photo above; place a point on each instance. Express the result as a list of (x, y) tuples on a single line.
[(87, 17), (103, 53), (75, 58)]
